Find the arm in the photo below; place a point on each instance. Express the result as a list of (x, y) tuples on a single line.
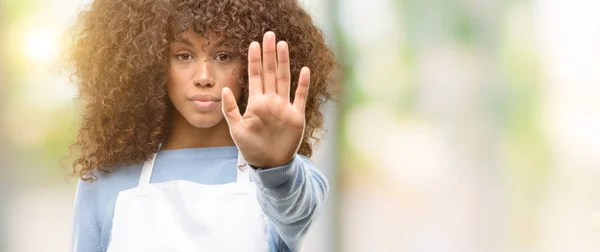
[(85, 231), (291, 196), (269, 135)]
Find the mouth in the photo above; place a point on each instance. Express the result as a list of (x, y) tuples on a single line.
[(204, 106), (204, 102)]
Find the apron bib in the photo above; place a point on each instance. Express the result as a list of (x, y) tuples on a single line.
[(185, 216)]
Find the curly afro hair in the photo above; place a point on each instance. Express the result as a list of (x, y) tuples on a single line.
[(120, 58)]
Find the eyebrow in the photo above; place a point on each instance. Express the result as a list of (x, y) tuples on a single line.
[(220, 43), (187, 42)]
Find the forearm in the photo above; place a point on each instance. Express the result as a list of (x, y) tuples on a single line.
[(290, 196)]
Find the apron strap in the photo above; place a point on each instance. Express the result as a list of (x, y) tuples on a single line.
[(147, 169), (243, 170)]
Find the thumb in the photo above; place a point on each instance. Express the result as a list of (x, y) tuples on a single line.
[(230, 108)]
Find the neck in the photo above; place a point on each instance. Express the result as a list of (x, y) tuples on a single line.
[(184, 135)]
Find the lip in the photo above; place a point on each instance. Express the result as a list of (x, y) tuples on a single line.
[(205, 98), (204, 102)]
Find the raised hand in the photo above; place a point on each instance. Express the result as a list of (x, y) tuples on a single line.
[(271, 130)]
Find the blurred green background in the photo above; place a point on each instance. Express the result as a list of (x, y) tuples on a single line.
[(462, 126)]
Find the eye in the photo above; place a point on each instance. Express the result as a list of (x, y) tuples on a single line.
[(184, 56), (223, 57)]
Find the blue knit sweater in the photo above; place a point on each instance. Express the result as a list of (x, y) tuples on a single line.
[(289, 195)]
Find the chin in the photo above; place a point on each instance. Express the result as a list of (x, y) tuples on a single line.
[(204, 121)]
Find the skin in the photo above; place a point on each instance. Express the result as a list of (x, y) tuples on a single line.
[(270, 131)]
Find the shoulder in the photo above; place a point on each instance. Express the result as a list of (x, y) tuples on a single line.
[(106, 186)]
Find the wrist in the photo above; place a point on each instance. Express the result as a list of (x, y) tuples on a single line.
[(272, 163)]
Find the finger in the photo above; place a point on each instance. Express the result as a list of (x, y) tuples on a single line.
[(230, 108), (283, 70), (269, 63), (302, 90), (254, 69)]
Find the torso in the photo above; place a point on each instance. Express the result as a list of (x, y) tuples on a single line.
[(209, 166)]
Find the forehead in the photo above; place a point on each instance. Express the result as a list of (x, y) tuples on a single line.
[(189, 36)]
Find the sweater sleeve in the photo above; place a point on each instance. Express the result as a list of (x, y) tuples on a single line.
[(291, 195), (85, 230)]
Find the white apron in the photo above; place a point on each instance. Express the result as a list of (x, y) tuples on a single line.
[(185, 216)]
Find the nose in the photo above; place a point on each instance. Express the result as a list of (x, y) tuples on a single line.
[(204, 76)]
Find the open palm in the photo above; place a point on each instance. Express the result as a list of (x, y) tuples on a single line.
[(270, 132)]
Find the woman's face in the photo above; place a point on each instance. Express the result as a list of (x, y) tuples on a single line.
[(196, 75)]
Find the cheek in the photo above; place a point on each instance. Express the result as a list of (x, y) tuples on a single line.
[(232, 82), (173, 80), (170, 77)]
